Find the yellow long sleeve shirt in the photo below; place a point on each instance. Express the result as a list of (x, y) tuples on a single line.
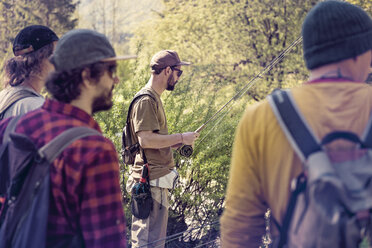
[(263, 162)]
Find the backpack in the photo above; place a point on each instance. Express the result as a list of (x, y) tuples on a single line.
[(25, 186), (331, 200), (13, 99), (130, 146)]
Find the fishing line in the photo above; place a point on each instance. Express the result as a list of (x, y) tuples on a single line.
[(187, 150)]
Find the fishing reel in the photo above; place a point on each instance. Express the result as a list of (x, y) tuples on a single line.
[(186, 151)]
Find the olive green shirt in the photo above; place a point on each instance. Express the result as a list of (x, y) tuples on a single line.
[(149, 115)]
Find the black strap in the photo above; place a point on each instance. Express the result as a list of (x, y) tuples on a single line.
[(303, 141), (143, 155), (300, 187), (293, 124), (4, 168), (135, 98), (367, 135), (341, 135), (13, 99)]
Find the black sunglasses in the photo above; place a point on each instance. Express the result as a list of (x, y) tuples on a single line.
[(179, 72), (111, 68)]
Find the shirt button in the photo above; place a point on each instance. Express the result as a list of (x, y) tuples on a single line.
[(117, 222)]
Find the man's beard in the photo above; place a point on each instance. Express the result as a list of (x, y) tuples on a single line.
[(170, 86), (103, 102)]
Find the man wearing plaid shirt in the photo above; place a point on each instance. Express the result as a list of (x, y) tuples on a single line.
[(85, 194)]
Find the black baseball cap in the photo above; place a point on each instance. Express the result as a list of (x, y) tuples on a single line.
[(32, 38)]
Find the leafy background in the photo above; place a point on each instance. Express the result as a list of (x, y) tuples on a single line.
[(229, 42)]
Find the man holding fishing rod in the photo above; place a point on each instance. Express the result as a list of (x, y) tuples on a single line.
[(149, 126), (337, 45)]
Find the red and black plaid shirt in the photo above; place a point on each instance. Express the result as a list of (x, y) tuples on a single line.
[(85, 190)]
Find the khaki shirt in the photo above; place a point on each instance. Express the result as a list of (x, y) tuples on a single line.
[(149, 115)]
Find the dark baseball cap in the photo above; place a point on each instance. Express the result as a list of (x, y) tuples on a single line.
[(32, 38), (82, 47), (166, 58)]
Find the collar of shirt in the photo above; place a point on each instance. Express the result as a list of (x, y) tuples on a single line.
[(331, 80), (71, 111), (29, 89)]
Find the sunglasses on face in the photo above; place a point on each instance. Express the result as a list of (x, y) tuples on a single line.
[(111, 68), (179, 72)]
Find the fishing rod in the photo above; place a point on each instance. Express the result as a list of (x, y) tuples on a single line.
[(187, 150)]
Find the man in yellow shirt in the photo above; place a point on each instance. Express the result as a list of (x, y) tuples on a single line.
[(337, 44)]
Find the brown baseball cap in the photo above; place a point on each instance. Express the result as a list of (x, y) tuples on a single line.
[(166, 58)]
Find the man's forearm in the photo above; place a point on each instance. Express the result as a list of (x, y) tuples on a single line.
[(154, 140)]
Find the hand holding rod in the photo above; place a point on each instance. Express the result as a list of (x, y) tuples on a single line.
[(187, 150)]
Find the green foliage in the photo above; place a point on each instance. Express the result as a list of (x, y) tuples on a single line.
[(229, 43), (57, 14), (16, 14)]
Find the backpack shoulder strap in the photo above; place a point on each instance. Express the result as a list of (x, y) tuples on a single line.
[(51, 150), (4, 167), (293, 124), (26, 210), (302, 140), (13, 99), (10, 128), (135, 98)]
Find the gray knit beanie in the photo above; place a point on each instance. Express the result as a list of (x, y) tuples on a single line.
[(333, 31)]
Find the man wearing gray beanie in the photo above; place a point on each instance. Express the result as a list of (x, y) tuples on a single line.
[(337, 45)]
